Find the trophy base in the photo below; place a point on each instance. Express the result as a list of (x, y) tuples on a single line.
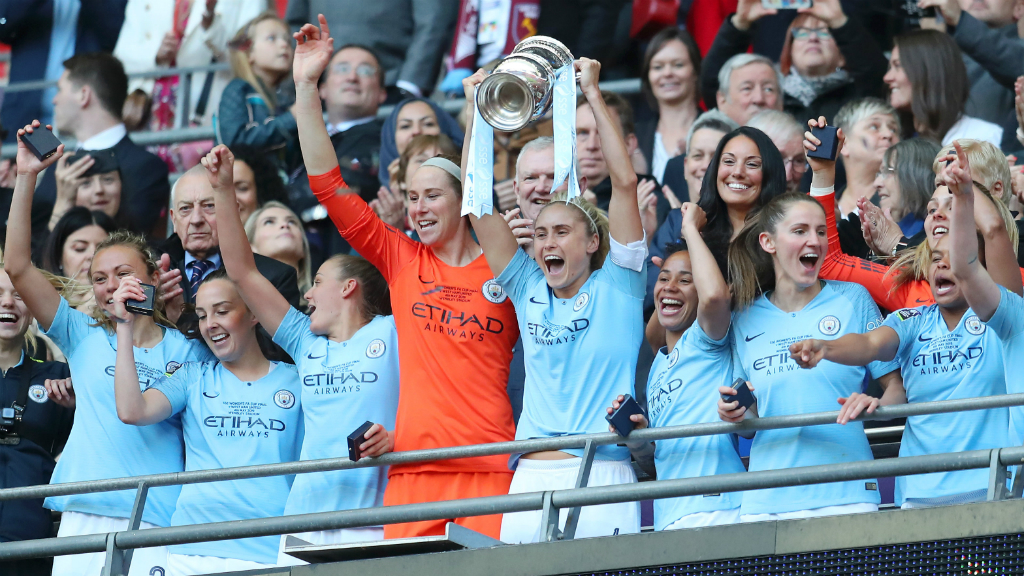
[(455, 537)]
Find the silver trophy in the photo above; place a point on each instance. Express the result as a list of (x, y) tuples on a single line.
[(519, 90)]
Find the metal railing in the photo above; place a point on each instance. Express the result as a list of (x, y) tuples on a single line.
[(185, 134), (118, 545)]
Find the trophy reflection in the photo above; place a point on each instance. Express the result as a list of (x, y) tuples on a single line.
[(519, 90)]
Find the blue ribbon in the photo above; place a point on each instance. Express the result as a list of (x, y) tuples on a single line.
[(564, 118), (477, 190)]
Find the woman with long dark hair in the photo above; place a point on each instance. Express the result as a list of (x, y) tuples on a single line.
[(928, 82), (73, 241), (670, 82), (745, 173)]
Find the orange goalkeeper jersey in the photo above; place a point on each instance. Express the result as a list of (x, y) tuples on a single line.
[(456, 330)]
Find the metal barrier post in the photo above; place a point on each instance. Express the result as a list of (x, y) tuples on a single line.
[(119, 561), (996, 477), (549, 520), (181, 119), (581, 482)]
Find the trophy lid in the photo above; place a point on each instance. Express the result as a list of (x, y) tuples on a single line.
[(556, 53)]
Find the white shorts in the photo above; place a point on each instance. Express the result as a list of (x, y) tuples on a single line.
[(702, 519), (325, 537), (188, 565), (543, 475), (145, 561), (859, 508)]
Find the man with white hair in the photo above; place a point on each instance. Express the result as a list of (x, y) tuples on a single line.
[(535, 172), (193, 252), (788, 136), (745, 85)]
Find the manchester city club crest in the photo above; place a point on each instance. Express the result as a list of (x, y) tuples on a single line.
[(172, 367), (581, 301), (284, 399), (829, 325), (37, 393), (376, 349), (494, 292), (974, 325), (673, 357)]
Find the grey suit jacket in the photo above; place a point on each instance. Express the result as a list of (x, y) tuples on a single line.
[(410, 36), (994, 58)]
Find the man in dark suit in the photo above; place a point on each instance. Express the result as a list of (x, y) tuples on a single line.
[(193, 251), (44, 33), (90, 95)]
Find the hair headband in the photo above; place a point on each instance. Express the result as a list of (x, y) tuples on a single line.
[(446, 165)]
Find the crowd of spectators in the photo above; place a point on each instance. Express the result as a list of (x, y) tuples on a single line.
[(702, 220)]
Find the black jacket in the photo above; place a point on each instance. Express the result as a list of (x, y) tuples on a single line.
[(145, 190), (281, 275), (865, 63), (45, 429)]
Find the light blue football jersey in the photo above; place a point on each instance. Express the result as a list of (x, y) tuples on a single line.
[(231, 423), (100, 445), (1008, 324), (762, 334), (939, 364), (580, 353), (344, 384), (683, 389)]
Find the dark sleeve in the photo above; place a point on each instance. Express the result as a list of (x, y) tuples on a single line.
[(233, 121), (433, 24), (282, 276), (865, 61), (852, 239), (675, 178), (15, 14), (999, 54), (66, 416), (103, 18), (149, 190), (729, 42), (297, 14)]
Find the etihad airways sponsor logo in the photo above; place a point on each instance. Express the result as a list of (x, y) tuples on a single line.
[(456, 324)]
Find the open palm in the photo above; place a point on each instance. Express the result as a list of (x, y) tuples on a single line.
[(313, 51)]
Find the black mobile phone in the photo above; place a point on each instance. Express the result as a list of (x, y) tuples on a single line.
[(41, 142), (743, 394), (620, 418), (144, 307), (357, 437), (829, 147)]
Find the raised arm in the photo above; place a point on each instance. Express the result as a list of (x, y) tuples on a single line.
[(714, 304), (624, 224), (492, 231), (260, 295), (38, 294), (982, 292), (133, 406), (1000, 257), (313, 52)]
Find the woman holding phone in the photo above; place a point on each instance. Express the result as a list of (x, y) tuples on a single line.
[(100, 445), (346, 352)]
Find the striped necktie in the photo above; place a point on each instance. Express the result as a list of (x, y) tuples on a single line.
[(199, 270)]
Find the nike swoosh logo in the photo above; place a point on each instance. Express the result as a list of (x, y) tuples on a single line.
[(432, 291), (919, 301), (208, 396), (749, 338), (921, 338), (535, 302), (311, 357)]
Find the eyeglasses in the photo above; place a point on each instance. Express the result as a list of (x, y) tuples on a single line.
[(885, 172), (798, 164), (805, 33), (362, 70)]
